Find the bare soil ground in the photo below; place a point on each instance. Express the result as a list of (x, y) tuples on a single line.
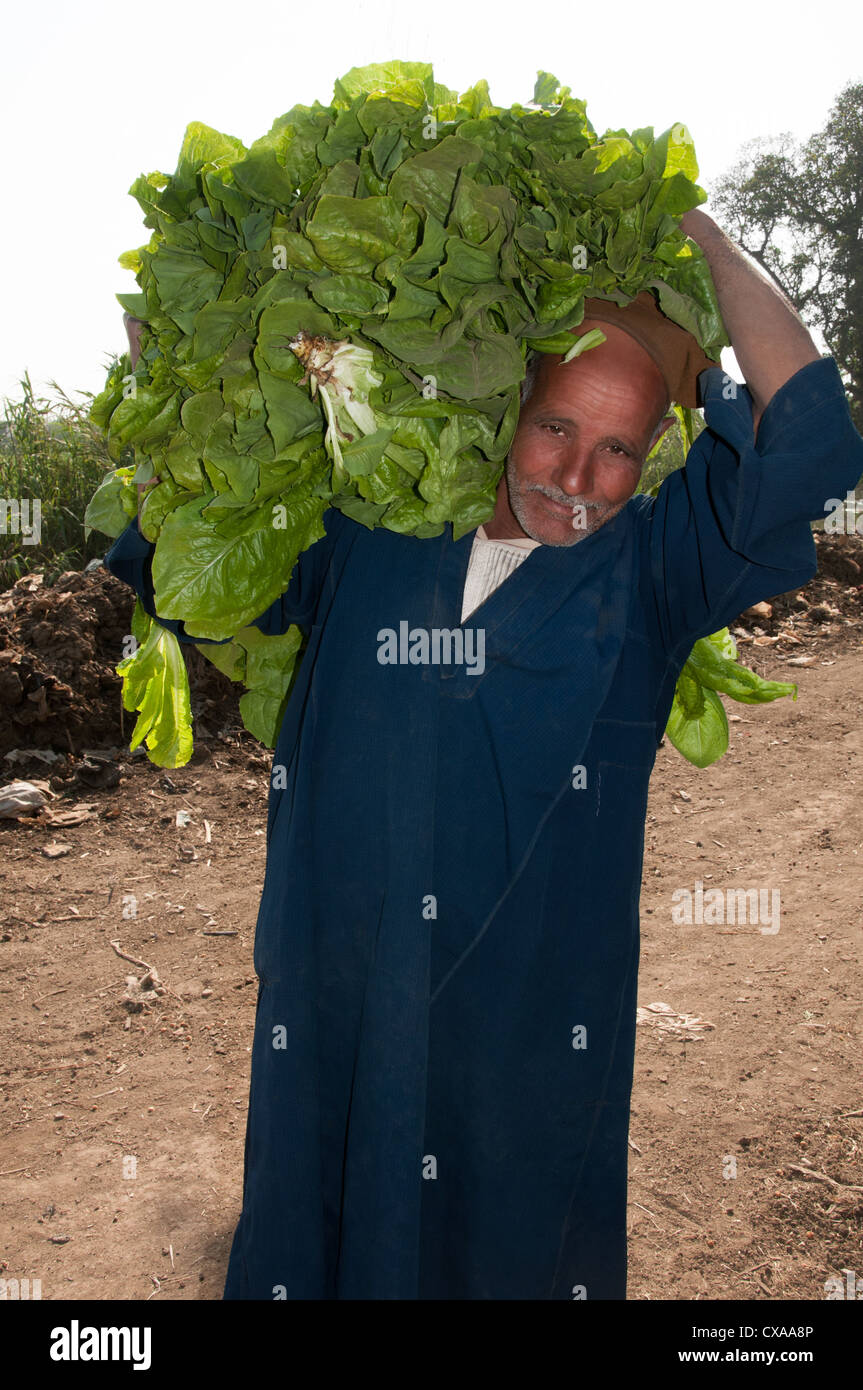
[(123, 1118)]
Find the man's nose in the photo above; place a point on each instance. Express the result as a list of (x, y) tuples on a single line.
[(575, 474)]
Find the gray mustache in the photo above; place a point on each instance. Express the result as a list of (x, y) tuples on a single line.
[(564, 501)]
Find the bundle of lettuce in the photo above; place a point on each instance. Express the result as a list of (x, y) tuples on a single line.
[(339, 316)]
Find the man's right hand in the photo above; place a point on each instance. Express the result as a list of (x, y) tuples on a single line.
[(133, 332)]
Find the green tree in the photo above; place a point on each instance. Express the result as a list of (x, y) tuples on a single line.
[(797, 209)]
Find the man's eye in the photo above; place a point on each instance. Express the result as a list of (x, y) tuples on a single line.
[(549, 426)]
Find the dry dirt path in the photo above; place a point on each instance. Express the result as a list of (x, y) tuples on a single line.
[(121, 1133)]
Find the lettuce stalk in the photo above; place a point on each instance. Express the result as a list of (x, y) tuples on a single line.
[(342, 375)]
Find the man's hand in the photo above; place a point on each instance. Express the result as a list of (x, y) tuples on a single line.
[(769, 338), (133, 333)]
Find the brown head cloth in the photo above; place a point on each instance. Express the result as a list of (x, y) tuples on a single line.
[(675, 352)]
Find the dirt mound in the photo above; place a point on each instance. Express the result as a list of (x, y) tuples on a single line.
[(839, 581), (59, 646), (805, 625)]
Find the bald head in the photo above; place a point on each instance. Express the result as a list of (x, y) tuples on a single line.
[(539, 363), (585, 429)]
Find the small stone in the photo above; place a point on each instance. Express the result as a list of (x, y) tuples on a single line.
[(758, 610)]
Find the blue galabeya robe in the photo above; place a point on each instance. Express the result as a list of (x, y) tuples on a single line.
[(448, 938)]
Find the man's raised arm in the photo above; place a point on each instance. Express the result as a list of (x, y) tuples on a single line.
[(734, 525), (769, 338)]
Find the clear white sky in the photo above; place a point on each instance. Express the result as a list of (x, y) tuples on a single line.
[(97, 92)]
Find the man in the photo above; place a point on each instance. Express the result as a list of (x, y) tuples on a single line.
[(447, 943)]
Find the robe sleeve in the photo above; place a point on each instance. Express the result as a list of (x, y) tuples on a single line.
[(131, 559), (732, 526)]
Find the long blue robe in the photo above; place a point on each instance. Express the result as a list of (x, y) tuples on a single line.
[(448, 939)]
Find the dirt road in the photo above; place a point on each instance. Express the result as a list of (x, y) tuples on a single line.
[(122, 1127)]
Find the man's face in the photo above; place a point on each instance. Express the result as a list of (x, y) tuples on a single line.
[(582, 438)]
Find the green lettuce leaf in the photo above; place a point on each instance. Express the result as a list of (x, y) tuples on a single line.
[(113, 504), (155, 684), (697, 723)]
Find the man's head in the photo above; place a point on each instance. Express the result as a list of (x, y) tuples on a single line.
[(584, 432)]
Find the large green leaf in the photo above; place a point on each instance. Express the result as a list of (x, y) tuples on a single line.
[(697, 724), (155, 684), (718, 672), (112, 505), (218, 584)]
